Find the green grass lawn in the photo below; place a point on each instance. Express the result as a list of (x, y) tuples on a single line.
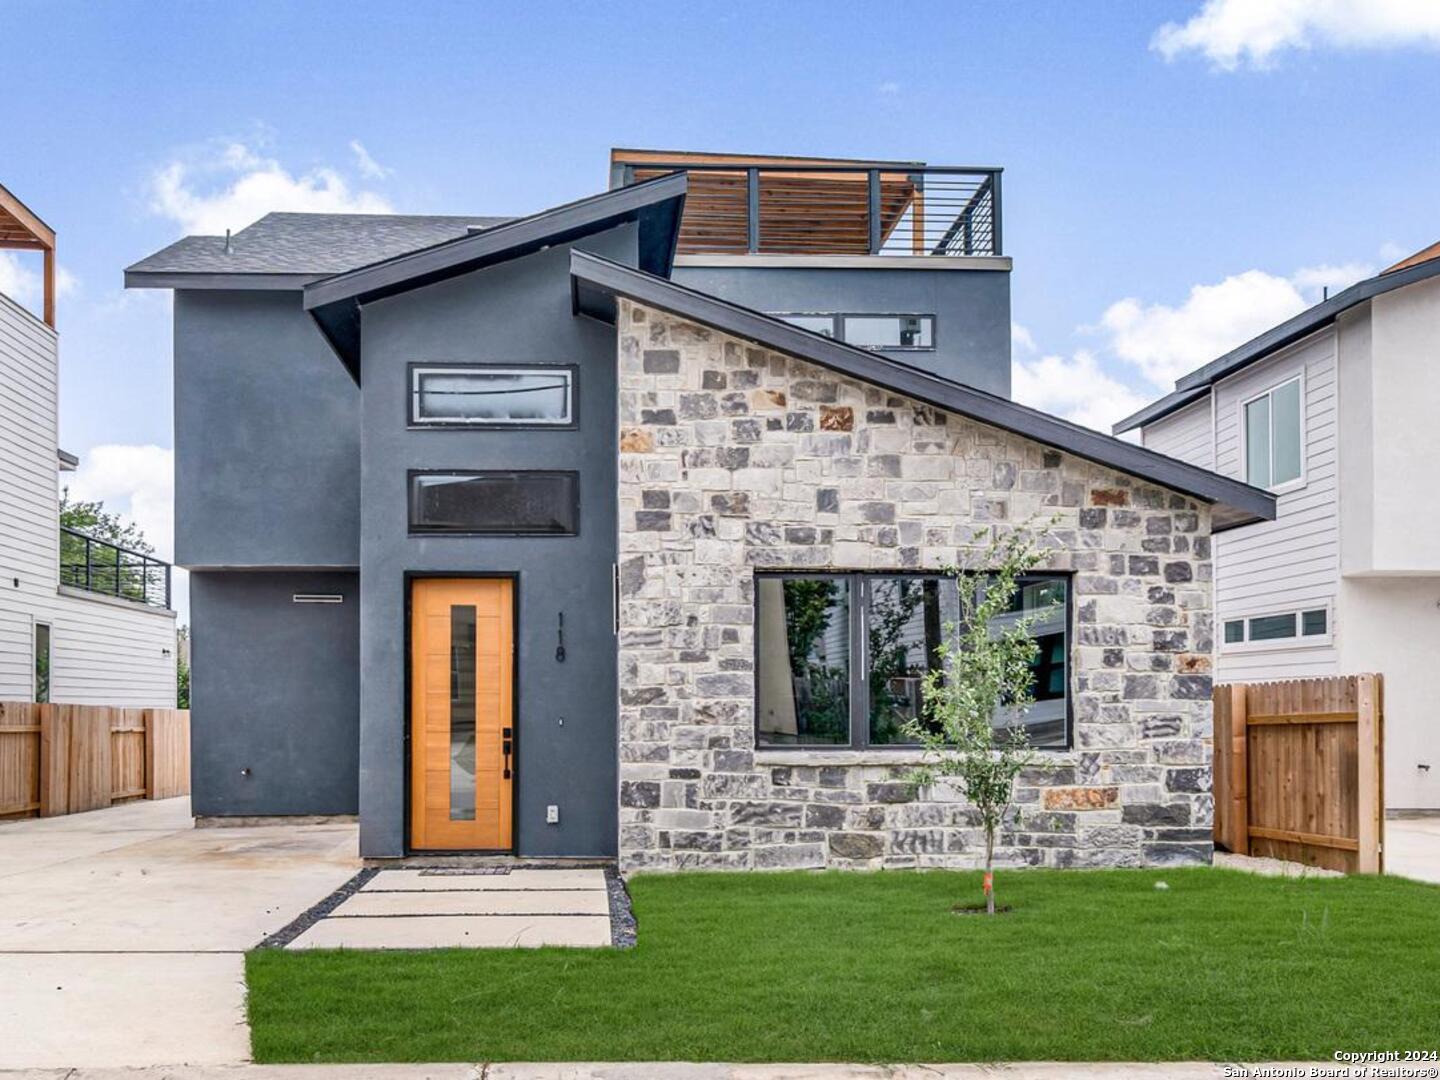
[(874, 968)]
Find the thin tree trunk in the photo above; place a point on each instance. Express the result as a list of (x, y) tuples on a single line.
[(989, 872)]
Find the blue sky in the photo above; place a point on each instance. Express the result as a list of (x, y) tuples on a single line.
[(1168, 191)]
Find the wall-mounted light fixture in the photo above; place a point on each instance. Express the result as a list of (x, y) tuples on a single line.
[(318, 598)]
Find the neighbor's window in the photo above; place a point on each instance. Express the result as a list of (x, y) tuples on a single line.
[(870, 331), (503, 503), (518, 396), (1268, 631), (42, 662), (1274, 436), (843, 658)]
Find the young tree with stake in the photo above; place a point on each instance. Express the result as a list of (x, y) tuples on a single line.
[(976, 695)]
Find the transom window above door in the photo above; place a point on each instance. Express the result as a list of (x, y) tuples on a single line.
[(1274, 436), (516, 395)]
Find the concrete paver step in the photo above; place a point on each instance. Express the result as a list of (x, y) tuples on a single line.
[(580, 878), (455, 931), (478, 902)]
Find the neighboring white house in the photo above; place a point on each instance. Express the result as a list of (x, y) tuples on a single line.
[(62, 639), (1338, 412)]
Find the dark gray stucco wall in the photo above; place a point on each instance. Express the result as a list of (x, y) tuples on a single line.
[(516, 312), (276, 690), (971, 308), (267, 436)]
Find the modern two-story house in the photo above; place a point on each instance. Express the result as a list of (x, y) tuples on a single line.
[(617, 530), (82, 621), (1333, 412)]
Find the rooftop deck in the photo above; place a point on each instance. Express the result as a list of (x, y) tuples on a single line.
[(21, 229), (752, 204)]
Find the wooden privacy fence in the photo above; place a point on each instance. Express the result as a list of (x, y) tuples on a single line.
[(1299, 769), (62, 759)]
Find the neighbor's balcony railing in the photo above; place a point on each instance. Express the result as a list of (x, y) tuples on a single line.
[(99, 566), (883, 209)]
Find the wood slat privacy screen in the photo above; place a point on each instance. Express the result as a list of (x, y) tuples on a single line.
[(1299, 771), (64, 759)]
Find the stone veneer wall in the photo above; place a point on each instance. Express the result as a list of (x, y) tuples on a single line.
[(734, 458)]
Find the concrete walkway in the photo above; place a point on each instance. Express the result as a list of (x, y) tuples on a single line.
[(123, 931), (1412, 848), (476, 909), (1184, 1070)]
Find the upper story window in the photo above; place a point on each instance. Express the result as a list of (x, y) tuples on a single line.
[(1274, 436), (518, 395), (869, 331), (842, 658), (495, 502)]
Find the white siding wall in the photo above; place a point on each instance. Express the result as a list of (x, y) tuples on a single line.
[(1185, 434), (101, 653), (1293, 561)]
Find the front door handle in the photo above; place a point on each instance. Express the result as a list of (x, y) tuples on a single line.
[(505, 748)]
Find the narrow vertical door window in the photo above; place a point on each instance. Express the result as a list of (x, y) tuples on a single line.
[(462, 712)]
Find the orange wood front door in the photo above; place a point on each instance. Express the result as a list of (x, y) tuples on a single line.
[(461, 716)]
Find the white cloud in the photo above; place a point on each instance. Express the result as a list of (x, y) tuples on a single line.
[(1021, 338), (1230, 33), (368, 166), (228, 185), (137, 482), (1166, 342), (1076, 389), (1144, 347), (1312, 281)]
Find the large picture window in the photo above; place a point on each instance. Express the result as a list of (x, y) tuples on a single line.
[(1274, 437), (496, 503), (842, 658), (472, 396)]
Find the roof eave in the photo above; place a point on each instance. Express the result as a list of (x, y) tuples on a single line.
[(593, 277), (1172, 402), (1308, 321), (191, 279), (334, 302)]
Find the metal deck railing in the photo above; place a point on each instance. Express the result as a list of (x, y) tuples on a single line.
[(850, 209), (98, 566)]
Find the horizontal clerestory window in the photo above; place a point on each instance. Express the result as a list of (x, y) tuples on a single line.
[(497, 503), (1310, 626), (868, 331), (841, 659), (519, 395)]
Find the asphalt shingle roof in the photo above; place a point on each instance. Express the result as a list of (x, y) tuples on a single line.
[(292, 243)]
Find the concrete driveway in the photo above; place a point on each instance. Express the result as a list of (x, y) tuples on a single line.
[(123, 931)]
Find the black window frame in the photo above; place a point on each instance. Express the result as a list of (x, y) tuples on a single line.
[(411, 528), (414, 423), (859, 660), (837, 326)]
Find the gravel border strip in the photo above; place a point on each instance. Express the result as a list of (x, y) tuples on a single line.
[(623, 927), (309, 918)]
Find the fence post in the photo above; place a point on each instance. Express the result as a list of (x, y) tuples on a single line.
[(54, 761), (1239, 771), (1369, 736)]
